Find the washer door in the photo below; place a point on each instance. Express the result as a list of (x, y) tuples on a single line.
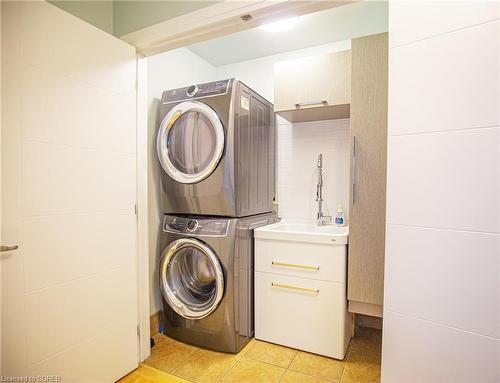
[(190, 142), (191, 278)]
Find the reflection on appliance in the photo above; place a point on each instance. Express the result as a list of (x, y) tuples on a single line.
[(206, 279), (215, 144)]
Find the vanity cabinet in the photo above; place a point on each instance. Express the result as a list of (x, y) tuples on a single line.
[(313, 88), (368, 127), (300, 289)]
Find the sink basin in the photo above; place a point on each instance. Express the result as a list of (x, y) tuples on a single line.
[(304, 232)]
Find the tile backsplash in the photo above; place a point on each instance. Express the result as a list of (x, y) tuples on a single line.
[(298, 146)]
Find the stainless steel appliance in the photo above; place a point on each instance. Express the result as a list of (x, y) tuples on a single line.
[(206, 279), (215, 144)]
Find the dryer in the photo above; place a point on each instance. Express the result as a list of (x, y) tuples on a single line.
[(206, 280), (216, 147)]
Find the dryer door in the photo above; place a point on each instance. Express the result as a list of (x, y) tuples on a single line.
[(191, 278), (190, 142)]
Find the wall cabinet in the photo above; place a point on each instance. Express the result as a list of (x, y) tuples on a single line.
[(313, 88), (368, 173)]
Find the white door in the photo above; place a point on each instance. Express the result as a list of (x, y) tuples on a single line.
[(69, 293)]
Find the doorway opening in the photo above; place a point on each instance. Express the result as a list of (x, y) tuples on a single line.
[(252, 56)]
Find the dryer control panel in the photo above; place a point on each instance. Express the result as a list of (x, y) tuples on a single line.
[(196, 91), (214, 227)]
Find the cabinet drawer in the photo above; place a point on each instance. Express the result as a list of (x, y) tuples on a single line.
[(309, 315), (300, 259)]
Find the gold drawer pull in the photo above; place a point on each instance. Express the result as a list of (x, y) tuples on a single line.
[(295, 265), (290, 287)]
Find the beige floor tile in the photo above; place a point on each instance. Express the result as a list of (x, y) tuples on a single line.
[(252, 371), (318, 366), (167, 354), (262, 362), (206, 366), (247, 347), (271, 353), (366, 341), (362, 368), (297, 377), (158, 337), (146, 374)]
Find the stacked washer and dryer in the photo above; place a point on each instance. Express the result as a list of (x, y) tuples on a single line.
[(216, 148)]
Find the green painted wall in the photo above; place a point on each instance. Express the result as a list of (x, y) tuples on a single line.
[(120, 17), (130, 16), (97, 13)]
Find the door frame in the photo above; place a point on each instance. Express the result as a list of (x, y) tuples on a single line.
[(224, 18), (143, 314)]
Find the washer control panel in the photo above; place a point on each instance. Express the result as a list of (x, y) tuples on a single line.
[(196, 226), (196, 91)]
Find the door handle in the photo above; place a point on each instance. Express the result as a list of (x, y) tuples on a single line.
[(353, 169), (8, 248)]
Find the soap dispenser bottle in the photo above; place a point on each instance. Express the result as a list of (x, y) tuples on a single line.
[(339, 217)]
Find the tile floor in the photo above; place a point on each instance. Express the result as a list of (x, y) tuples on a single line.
[(260, 362)]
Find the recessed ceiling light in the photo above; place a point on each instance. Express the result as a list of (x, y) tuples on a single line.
[(280, 25)]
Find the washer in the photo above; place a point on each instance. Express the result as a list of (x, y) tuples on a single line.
[(206, 280), (216, 148)]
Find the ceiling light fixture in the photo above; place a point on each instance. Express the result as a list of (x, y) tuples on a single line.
[(280, 25)]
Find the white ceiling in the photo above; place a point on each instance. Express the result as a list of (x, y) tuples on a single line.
[(336, 24)]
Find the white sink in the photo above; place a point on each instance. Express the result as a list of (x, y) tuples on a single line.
[(304, 232)]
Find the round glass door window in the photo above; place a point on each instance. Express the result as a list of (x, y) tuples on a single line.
[(190, 142), (191, 278)]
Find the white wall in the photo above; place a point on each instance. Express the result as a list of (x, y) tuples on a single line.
[(258, 74), (297, 156), (441, 308), (169, 70)]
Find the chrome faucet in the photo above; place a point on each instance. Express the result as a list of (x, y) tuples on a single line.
[(321, 218)]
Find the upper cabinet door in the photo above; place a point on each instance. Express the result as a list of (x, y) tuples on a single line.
[(322, 81), (68, 151)]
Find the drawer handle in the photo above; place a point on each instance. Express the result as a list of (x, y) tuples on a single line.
[(295, 266), (290, 287)]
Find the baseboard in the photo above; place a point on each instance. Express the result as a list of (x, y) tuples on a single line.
[(366, 309), (368, 321)]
